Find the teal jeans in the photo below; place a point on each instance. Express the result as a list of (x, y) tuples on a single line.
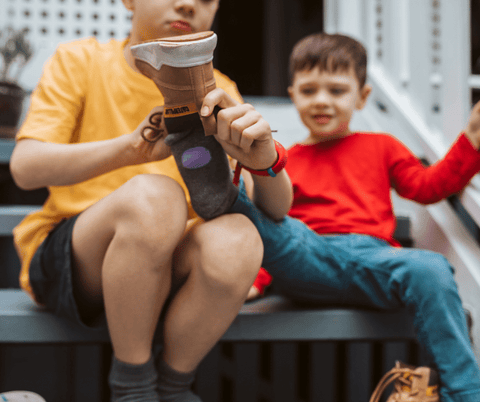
[(361, 270)]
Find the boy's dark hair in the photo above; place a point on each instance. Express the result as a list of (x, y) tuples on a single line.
[(330, 53)]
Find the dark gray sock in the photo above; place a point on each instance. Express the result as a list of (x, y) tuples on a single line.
[(132, 383), (174, 386), (203, 164)]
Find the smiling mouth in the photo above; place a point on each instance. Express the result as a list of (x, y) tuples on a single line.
[(322, 118), (181, 26)]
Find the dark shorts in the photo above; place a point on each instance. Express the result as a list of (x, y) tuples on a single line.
[(51, 272)]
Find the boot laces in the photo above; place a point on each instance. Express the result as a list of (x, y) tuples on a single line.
[(404, 383)]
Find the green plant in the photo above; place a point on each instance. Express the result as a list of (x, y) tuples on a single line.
[(15, 51)]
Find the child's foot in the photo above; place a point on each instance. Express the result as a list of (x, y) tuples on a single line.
[(174, 386), (20, 396), (182, 69)]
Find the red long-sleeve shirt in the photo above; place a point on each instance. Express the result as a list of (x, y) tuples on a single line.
[(343, 186)]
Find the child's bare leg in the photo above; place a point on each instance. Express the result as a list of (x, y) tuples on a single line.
[(219, 260), (123, 248)]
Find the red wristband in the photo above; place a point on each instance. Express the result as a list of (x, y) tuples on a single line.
[(271, 171)]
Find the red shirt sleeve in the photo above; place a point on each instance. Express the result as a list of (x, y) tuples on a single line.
[(263, 280), (444, 178)]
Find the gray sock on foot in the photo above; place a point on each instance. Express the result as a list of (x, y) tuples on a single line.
[(174, 386), (132, 383), (203, 165)]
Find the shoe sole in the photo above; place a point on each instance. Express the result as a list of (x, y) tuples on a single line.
[(21, 396), (184, 51)]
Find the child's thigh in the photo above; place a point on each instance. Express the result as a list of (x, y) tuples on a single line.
[(358, 269), (149, 212), (313, 268), (401, 269)]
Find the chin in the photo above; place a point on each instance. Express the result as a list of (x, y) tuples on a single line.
[(329, 135)]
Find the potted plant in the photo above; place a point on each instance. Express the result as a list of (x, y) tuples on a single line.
[(15, 52)]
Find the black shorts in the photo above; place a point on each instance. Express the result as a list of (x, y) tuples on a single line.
[(51, 272)]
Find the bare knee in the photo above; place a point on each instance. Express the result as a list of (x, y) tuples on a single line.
[(151, 212), (231, 252)]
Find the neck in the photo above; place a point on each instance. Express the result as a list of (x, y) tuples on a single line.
[(315, 138)]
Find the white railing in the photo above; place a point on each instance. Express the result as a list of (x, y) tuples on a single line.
[(419, 68)]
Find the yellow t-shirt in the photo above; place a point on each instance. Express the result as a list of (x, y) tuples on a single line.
[(88, 93)]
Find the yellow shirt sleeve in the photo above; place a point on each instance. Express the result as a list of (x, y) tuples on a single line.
[(56, 103)]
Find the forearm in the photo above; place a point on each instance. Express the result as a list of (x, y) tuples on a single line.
[(273, 195), (447, 176), (473, 138), (35, 164)]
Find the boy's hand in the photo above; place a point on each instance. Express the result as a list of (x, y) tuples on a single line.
[(241, 130), (473, 126), (148, 139)]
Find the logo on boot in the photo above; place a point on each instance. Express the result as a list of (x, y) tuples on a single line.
[(178, 111)]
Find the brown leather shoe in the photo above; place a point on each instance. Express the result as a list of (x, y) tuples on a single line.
[(182, 69), (411, 384)]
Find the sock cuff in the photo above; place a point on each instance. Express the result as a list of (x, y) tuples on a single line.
[(129, 373), (167, 372)]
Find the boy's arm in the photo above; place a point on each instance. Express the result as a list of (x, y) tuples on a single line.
[(447, 176), (35, 164), (247, 137), (273, 195), (472, 131)]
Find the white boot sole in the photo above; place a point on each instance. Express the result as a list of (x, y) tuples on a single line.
[(176, 54), (21, 396)]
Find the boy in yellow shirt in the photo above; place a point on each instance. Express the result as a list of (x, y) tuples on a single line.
[(116, 234)]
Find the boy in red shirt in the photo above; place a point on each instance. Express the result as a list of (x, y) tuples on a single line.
[(337, 245)]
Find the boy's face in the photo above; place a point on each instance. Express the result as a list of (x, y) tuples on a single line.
[(153, 19), (326, 101)]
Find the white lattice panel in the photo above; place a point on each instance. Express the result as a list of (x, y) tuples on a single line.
[(51, 22)]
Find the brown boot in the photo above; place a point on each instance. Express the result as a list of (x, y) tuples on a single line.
[(182, 69), (411, 384)]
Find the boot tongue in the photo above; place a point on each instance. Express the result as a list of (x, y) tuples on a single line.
[(420, 380), (430, 373)]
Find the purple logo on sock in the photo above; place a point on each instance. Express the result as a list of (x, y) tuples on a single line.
[(195, 158)]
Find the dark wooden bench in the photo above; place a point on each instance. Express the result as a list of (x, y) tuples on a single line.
[(274, 324), (273, 318)]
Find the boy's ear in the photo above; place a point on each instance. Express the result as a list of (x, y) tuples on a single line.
[(290, 92), (364, 94)]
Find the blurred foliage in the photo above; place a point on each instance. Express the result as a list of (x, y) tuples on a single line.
[(15, 51)]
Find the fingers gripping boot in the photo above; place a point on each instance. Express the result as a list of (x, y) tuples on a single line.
[(182, 69)]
